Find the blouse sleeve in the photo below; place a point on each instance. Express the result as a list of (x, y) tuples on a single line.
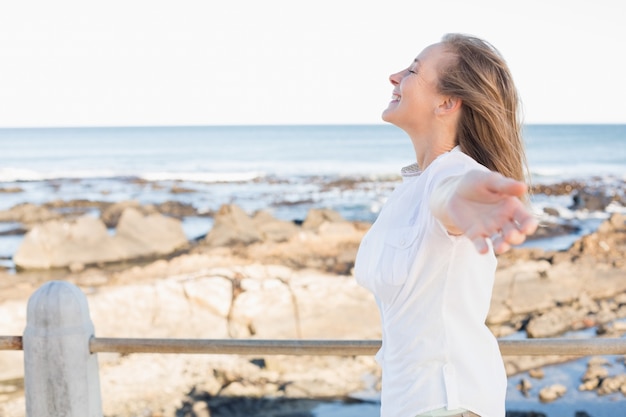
[(452, 164)]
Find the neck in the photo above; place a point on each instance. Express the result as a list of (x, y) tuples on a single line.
[(429, 147)]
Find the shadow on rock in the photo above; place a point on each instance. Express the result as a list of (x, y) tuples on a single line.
[(202, 404)]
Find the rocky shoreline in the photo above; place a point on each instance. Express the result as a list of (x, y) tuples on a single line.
[(261, 277)]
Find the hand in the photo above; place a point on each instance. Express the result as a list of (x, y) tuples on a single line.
[(485, 205)]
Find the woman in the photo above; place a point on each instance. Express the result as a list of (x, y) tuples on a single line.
[(430, 258)]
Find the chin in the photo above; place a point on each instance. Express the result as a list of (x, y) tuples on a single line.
[(388, 117)]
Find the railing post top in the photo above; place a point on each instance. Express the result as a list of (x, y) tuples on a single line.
[(58, 305)]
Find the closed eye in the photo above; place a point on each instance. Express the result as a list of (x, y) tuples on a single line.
[(412, 72)]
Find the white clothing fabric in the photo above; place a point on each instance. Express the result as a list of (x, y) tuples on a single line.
[(433, 291), (443, 412)]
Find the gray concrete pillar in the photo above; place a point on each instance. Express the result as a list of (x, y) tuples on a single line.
[(60, 374)]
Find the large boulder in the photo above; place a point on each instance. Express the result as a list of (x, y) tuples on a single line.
[(138, 235), (232, 226), (60, 244), (273, 229), (57, 244)]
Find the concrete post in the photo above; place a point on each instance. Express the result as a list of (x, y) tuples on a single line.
[(60, 374)]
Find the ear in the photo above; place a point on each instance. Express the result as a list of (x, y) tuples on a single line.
[(448, 105)]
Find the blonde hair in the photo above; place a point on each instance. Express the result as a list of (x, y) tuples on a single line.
[(489, 128)]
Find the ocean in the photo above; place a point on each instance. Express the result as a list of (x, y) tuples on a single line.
[(286, 170)]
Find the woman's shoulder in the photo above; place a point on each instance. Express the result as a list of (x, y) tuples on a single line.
[(454, 162)]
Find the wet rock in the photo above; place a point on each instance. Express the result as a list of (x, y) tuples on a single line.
[(594, 374), (176, 209), (524, 386), (177, 189), (613, 384), (590, 200), (605, 246), (562, 188), (11, 190), (552, 393), (75, 208)]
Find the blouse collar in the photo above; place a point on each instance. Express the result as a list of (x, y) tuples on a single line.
[(414, 170)]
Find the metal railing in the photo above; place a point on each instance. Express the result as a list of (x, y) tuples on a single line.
[(324, 347)]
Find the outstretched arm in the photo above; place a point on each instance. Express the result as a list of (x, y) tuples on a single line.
[(484, 205)]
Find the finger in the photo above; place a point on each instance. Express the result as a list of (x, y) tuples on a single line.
[(501, 246), (499, 243), (477, 235), (511, 234), (503, 185), (525, 222), (481, 245)]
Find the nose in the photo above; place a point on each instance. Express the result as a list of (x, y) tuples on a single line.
[(396, 78)]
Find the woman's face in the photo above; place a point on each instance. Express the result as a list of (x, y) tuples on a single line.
[(415, 96)]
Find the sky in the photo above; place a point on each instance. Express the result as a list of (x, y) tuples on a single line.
[(251, 62)]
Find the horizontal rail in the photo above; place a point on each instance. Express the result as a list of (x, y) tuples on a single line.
[(11, 343), (534, 347), (238, 346)]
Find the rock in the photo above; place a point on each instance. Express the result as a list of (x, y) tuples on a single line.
[(552, 393), (264, 309), (85, 241), (71, 209), (154, 234), (201, 409), (607, 245), (176, 209), (562, 188), (273, 229), (536, 373), (28, 214), (112, 214), (58, 244), (316, 217), (551, 211), (524, 386), (232, 226), (590, 200), (170, 308), (594, 375), (11, 190), (553, 322), (613, 384)]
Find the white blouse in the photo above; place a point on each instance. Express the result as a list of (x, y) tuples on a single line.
[(433, 291)]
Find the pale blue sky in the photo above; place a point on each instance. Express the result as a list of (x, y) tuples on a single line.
[(152, 62)]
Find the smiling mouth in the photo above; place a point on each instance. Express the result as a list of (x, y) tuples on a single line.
[(395, 97)]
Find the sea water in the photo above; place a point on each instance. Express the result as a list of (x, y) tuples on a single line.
[(263, 164), (284, 169), (239, 153)]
